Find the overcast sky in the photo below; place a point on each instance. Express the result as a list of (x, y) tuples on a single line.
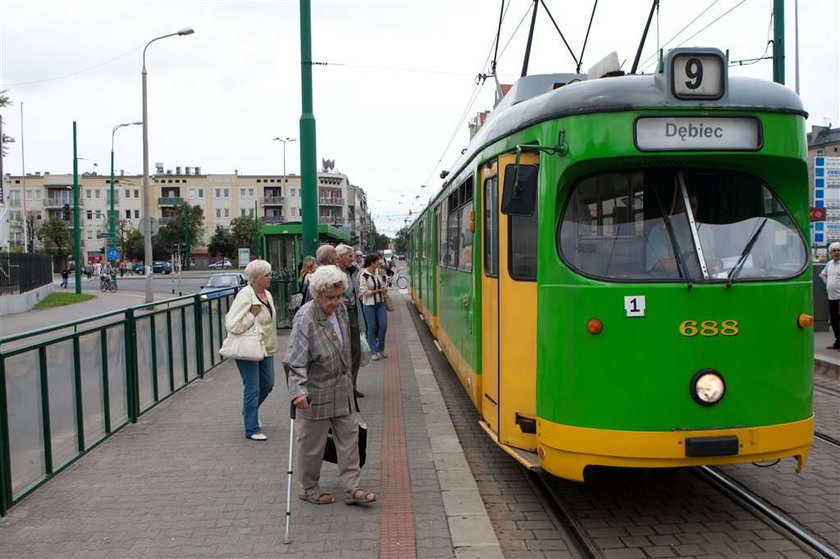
[(400, 75)]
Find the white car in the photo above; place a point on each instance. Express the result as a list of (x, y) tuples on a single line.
[(221, 265)]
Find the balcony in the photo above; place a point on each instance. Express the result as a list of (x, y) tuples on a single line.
[(330, 201), (273, 219), (60, 202), (169, 201), (330, 220), (273, 200), (16, 223)]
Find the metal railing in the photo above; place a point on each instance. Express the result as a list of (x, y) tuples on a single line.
[(66, 388), (21, 272)]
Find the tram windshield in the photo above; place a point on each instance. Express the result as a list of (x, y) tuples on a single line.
[(681, 225)]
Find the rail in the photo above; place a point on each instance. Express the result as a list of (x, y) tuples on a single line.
[(66, 388)]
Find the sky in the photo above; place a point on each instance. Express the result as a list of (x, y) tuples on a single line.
[(391, 103)]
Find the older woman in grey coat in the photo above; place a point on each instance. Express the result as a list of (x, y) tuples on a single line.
[(318, 364)]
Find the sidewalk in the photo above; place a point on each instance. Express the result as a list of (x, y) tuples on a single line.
[(185, 482)]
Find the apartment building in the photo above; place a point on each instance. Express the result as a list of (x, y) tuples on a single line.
[(223, 197)]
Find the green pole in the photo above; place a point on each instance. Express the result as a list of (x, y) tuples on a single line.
[(255, 240), (77, 232), (779, 41), (187, 235), (308, 163), (112, 226)]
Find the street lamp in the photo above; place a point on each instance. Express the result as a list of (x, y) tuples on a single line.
[(112, 218), (147, 205), (284, 140)]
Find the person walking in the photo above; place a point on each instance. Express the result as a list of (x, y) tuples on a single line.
[(65, 274), (372, 292), (318, 363), (831, 276), (351, 301), (254, 304)]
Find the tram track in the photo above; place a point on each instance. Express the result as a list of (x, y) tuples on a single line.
[(750, 500), (576, 534)]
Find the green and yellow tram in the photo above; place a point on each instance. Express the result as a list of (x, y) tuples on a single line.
[(617, 269)]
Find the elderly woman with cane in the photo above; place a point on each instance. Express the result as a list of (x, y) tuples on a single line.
[(253, 307), (318, 364)]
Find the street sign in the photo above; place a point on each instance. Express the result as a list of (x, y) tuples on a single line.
[(114, 254), (817, 214)]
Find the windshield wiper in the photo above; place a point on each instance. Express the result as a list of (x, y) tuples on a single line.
[(677, 256), (736, 269)]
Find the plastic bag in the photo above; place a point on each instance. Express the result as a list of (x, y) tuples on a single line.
[(365, 350)]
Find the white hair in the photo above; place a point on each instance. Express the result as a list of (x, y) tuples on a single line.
[(343, 249), (326, 278), (255, 269), (832, 246)]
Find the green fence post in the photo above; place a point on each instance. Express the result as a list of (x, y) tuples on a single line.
[(45, 410), (169, 350), (131, 382), (77, 387), (199, 338), (184, 344), (155, 393), (5, 452), (106, 386)]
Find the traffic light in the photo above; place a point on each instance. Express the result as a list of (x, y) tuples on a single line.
[(66, 212)]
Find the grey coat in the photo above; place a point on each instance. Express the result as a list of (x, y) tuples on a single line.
[(318, 364)]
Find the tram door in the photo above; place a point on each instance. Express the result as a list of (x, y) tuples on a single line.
[(490, 295), (517, 301)]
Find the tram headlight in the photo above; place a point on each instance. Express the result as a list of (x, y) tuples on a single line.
[(707, 387)]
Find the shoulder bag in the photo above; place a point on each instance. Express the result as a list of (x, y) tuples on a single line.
[(247, 346)]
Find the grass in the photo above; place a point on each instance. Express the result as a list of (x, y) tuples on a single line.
[(61, 299)]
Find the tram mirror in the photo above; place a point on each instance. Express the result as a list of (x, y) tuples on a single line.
[(520, 190)]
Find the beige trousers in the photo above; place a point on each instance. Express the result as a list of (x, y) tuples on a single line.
[(312, 438)]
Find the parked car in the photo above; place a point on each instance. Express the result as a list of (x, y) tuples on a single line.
[(138, 268), (161, 267), (221, 265), (214, 287)]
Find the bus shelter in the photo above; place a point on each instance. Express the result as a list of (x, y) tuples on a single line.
[(282, 246)]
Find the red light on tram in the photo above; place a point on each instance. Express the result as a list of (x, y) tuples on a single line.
[(805, 320), (594, 326)]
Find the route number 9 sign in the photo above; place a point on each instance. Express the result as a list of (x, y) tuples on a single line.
[(697, 76)]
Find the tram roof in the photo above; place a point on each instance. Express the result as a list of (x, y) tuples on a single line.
[(623, 93)]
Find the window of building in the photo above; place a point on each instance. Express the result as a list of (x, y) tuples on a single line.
[(242, 193), (218, 212), (227, 212), (137, 214), (251, 212), (90, 214), (293, 192), (128, 214), (98, 194), (242, 211), (250, 193), (226, 193), (97, 214), (87, 194), (127, 192), (137, 193)]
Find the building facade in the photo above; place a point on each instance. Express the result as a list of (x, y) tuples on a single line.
[(274, 198), (824, 182)]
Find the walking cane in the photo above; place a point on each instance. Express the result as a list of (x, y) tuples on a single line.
[(292, 414)]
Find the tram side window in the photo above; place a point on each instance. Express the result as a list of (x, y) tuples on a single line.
[(491, 227), (522, 229), (457, 252)]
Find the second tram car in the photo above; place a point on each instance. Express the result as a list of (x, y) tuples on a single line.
[(618, 270)]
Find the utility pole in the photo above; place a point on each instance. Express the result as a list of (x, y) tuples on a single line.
[(187, 235), (308, 162), (77, 232), (779, 41)]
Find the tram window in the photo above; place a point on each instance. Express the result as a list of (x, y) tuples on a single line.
[(491, 227), (456, 251), (522, 225), (634, 226)]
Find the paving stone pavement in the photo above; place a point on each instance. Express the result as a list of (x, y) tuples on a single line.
[(185, 482)]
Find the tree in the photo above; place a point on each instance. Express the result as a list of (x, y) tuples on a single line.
[(242, 231), (173, 231), (401, 241), (132, 246), (221, 243), (382, 242), (57, 238)]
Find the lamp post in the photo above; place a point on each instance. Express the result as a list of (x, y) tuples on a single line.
[(285, 141), (147, 205), (112, 219)]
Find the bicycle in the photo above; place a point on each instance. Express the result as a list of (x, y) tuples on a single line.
[(105, 285), (396, 279)]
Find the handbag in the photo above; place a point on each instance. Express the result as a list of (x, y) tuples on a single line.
[(389, 305), (247, 346), (364, 359), (330, 454), (296, 301)]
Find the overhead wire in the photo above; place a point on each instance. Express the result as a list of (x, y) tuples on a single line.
[(646, 62), (77, 72)]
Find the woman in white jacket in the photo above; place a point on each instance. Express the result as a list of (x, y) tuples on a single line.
[(254, 303)]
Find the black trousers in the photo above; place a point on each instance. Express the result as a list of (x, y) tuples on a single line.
[(834, 318)]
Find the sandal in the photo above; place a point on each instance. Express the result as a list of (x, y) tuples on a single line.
[(374, 357), (359, 496), (319, 499)]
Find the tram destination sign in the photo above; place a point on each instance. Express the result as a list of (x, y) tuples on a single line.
[(657, 133)]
